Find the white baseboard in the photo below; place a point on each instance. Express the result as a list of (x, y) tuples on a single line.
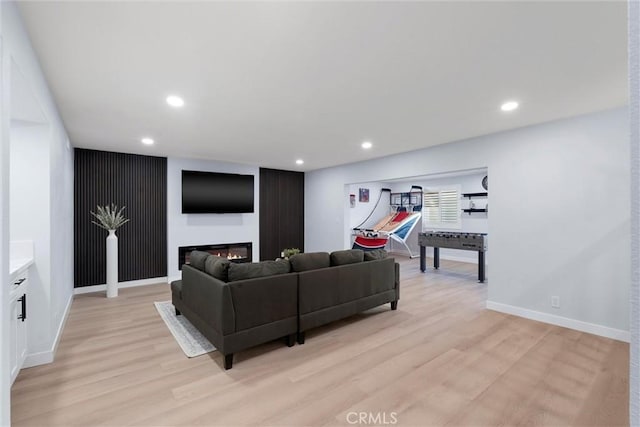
[(565, 322), (37, 359), (44, 357), (121, 285), (63, 323)]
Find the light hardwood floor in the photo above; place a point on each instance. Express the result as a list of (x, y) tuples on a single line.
[(440, 359)]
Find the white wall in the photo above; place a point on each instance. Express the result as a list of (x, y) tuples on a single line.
[(559, 214), (634, 98), (5, 388), (17, 54), (201, 229), (362, 209), (61, 223), (30, 220)]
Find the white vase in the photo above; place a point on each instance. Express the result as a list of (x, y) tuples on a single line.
[(112, 264)]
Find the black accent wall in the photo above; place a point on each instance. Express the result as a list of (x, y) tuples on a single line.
[(140, 184), (281, 212)]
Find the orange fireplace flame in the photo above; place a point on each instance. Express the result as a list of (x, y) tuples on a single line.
[(230, 256)]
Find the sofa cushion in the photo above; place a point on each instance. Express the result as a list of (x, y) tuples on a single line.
[(375, 254), (309, 261), (349, 256), (198, 258), (217, 267), (255, 270)]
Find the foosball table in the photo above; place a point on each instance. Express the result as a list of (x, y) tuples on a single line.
[(452, 240)]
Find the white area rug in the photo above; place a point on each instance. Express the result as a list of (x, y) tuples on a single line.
[(191, 341)]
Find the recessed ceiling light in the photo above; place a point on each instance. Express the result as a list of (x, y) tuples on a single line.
[(366, 145), (509, 106), (299, 162), (175, 101), (147, 141)]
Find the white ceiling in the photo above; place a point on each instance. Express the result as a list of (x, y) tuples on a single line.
[(267, 83)]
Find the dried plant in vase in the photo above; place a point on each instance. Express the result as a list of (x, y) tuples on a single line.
[(109, 217)]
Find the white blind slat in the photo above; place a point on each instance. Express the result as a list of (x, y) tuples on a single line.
[(441, 209)]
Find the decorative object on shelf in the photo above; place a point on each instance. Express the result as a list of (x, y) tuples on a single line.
[(485, 182), (352, 200), (289, 252), (110, 218), (472, 204), (364, 195)]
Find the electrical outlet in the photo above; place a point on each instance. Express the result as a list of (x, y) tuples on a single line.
[(555, 301)]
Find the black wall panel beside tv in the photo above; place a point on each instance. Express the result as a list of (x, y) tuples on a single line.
[(214, 192)]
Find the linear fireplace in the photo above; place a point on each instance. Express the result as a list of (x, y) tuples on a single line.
[(235, 252)]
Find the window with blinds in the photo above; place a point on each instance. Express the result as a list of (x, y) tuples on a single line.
[(441, 209)]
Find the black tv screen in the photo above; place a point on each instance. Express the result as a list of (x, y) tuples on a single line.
[(213, 192)]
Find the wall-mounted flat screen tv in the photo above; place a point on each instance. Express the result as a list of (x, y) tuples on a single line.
[(213, 192)]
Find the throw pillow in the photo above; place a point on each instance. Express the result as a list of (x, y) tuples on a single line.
[(375, 254), (309, 261), (217, 267), (197, 259), (349, 256), (255, 270)]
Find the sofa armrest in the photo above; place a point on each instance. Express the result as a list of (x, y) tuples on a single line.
[(209, 298), (264, 300)]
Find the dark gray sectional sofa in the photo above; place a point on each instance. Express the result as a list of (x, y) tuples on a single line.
[(333, 293), (237, 306)]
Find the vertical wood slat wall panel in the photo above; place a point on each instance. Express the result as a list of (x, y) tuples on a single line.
[(281, 212), (137, 182)]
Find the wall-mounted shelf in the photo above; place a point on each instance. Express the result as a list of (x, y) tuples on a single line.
[(470, 195), (473, 210)]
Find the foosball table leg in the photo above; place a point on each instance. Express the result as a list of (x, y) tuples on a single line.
[(481, 266)]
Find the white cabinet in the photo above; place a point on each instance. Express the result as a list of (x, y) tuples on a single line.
[(18, 322)]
